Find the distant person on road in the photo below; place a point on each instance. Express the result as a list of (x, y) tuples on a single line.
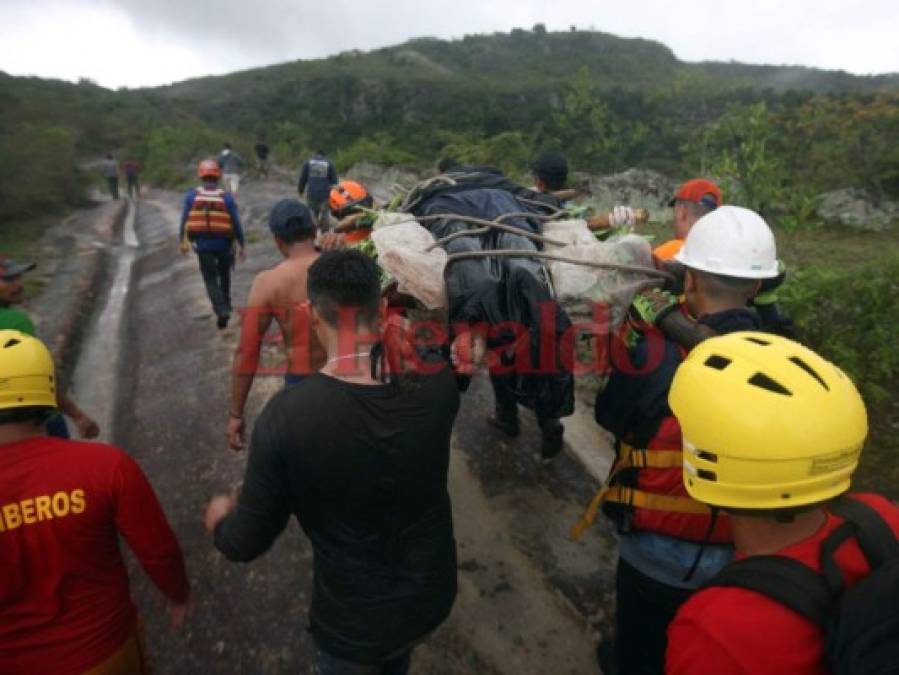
[(65, 605), (363, 467), (262, 163), (230, 163), (210, 224), (11, 318), (316, 178), (131, 167), (110, 170), (278, 293)]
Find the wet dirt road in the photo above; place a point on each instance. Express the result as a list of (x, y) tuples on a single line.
[(530, 601)]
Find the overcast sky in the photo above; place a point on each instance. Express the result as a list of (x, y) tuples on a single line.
[(146, 42)]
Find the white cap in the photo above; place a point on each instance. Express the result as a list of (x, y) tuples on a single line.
[(731, 241)]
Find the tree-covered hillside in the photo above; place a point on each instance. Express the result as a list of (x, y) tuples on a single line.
[(608, 102)]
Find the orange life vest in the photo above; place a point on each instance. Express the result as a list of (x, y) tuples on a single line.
[(209, 217), (669, 249)]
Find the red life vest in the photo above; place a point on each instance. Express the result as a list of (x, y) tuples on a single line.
[(648, 484), (645, 491), (209, 217)]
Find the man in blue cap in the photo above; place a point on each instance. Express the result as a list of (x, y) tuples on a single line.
[(278, 293)]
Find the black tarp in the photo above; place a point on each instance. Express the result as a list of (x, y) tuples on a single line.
[(497, 291)]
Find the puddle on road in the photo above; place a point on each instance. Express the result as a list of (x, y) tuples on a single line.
[(94, 381)]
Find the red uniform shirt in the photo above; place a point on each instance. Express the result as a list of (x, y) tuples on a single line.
[(64, 599), (732, 631)]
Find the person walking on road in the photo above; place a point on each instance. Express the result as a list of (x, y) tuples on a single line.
[(110, 170), (262, 162), (278, 293), (772, 435), (211, 225), (317, 177), (230, 163), (65, 603), (362, 464), (11, 318), (670, 544), (131, 167)]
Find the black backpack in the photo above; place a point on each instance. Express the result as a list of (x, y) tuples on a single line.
[(861, 625)]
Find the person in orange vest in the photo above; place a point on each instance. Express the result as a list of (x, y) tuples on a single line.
[(210, 225), (348, 201), (65, 506), (669, 544), (772, 434), (693, 200)]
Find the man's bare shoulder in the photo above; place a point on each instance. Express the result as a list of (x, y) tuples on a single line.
[(286, 281)]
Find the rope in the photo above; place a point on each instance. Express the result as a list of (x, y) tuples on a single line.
[(490, 223), (506, 253), (457, 235)]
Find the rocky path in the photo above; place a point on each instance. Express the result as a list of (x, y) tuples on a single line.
[(530, 601)]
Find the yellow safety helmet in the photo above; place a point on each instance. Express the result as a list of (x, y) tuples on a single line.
[(766, 423), (26, 372)]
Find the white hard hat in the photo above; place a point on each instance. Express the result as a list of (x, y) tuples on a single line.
[(731, 241)]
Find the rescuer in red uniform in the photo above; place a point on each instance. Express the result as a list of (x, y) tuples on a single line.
[(65, 606)]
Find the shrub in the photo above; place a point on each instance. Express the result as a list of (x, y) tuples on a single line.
[(851, 316)]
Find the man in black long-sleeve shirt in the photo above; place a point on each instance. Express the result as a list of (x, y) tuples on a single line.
[(363, 466)]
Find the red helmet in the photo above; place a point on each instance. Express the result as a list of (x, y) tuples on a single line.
[(346, 196), (209, 168)]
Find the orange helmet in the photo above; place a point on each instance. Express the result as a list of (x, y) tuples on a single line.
[(346, 196), (209, 168)]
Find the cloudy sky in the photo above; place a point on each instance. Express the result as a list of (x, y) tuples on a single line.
[(145, 42)]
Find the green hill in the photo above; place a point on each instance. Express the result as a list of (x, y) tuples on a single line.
[(608, 102)]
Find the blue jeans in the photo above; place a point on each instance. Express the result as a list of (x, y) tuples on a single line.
[(326, 664)]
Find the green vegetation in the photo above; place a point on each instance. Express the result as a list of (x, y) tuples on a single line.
[(609, 103)]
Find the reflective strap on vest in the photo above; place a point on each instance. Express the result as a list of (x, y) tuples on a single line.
[(634, 458), (628, 496)]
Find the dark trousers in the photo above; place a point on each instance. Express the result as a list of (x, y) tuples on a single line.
[(507, 406), (113, 186), (133, 185), (216, 270), (645, 607), (321, 212), (325, 664)]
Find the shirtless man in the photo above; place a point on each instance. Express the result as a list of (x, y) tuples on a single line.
[(280, 294)]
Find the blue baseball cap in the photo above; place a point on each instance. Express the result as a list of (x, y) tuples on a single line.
[(291, 217)]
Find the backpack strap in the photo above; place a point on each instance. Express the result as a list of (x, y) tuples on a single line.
[(875, 537), (782, 579)]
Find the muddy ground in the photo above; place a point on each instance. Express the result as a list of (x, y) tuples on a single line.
[(153, 367)]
